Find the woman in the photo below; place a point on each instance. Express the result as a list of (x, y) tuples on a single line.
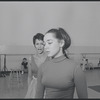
[(35, 62), (59, 76)]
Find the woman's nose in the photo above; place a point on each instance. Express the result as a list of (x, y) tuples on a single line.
[(40, 46)]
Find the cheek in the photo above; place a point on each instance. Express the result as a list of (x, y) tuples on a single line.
[(54, 49), (56, 46), (36, 47), (42, 46), (53, 52)]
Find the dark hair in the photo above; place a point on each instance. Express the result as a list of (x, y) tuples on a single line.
[(61, 34), (24, 58), (87, 60), (38, 36)]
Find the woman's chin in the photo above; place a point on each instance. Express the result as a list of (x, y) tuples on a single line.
[(49, 55), (40, 52)]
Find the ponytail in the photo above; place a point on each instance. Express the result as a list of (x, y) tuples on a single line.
[(64, 52)]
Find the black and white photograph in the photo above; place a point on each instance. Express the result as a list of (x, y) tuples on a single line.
[(49, 49)]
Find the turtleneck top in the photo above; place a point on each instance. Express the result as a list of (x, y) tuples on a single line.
[(59, 77)]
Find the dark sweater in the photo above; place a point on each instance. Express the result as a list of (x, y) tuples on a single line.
[(59, 77)]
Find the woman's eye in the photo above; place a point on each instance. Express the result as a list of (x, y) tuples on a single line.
[(50, 43), (37, 43), (42, 44)]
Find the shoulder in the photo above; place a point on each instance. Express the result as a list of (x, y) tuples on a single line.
[(44, 65), (75, 69), (78, 70), (47, 61), (70, 63), (47, 58), (70, 66), (31, 58)]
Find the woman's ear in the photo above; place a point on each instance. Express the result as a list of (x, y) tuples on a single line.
[(62, 42)]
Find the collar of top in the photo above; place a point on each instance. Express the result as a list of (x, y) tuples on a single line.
[(59, 59)]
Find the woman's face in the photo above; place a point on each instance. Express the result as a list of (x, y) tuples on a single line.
[(39, 45), (52, 45), (24, 60)]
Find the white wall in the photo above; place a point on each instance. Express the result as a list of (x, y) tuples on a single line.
[(19, 21)]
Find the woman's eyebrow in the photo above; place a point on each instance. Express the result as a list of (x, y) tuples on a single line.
[(49, 40)]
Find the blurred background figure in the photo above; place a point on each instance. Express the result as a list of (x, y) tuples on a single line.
[(24, 66)]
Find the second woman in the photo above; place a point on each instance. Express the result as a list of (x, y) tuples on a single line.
[(34, 63)]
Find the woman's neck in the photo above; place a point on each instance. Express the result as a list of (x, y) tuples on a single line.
[(40, 54), (58, 54)]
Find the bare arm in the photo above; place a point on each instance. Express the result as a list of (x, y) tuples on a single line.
[(40, 87), (22, 68), (32, 69), (29, 74), (80, 83)]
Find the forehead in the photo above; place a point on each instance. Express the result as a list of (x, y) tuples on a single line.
[(38, 41), (49, 36)]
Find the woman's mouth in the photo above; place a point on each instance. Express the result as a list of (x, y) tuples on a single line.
[(47, 52), (39, 49)]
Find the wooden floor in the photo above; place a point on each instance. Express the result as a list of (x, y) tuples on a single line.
[(92, 76), (93, 79), (13, 91)]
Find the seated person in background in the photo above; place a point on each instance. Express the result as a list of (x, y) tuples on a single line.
[(24, 65)]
